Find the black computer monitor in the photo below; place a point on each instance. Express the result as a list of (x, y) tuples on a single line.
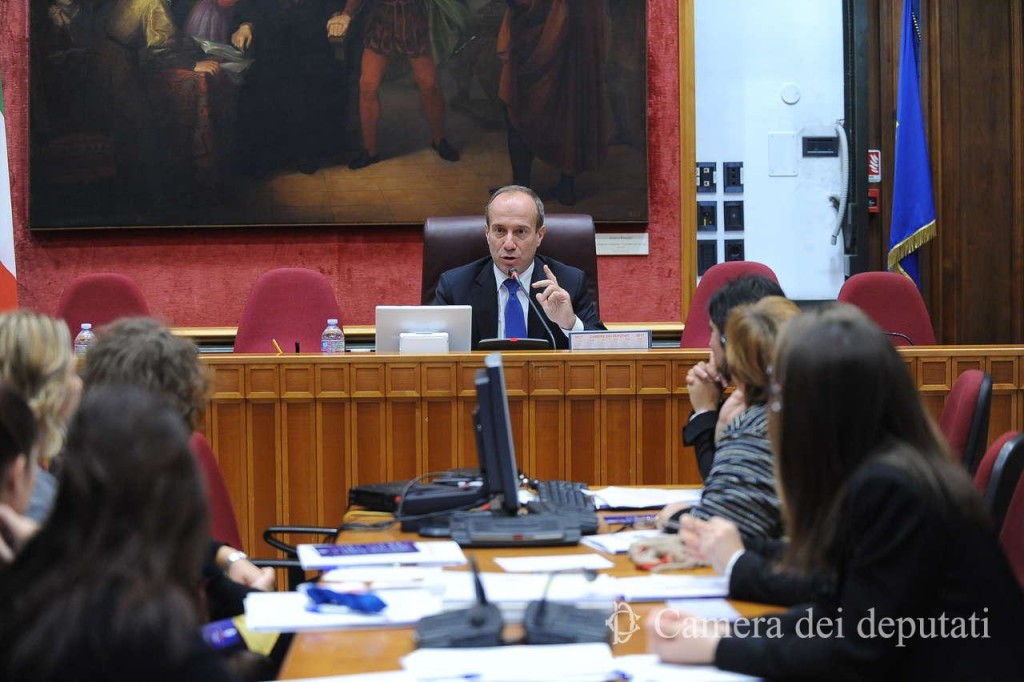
[(495, 448)]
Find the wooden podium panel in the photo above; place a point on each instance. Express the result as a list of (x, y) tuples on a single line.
[(294, 432)]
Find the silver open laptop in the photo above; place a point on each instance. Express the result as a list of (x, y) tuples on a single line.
[(393, 320)]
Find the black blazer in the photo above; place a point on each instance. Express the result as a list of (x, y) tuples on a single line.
[(474, 284), (899, 554)]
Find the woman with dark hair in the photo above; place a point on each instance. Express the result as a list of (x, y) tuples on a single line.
[(139, 351), (17, 472), (920, 587), (108, 587)]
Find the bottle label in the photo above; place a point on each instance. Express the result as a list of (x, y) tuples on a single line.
[(332, 346)]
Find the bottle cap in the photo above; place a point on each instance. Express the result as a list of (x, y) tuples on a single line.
[(332, 322), (87, 325)]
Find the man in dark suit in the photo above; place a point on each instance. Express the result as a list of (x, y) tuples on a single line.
[(514, 229)]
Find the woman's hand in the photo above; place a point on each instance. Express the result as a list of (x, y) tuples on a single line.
[(680, 637), (733, 406), (713, 542), (15, 531)]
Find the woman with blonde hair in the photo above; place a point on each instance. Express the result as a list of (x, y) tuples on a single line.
[(36, 361), (741, 484)]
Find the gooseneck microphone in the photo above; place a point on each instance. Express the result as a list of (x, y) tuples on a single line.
[(514, 274), (548, 622), (476, 626)]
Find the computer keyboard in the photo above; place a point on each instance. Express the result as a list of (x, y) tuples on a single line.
[(484, 529), (567, 499)]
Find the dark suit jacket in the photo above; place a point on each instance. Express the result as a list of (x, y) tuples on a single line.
[(474, 285)]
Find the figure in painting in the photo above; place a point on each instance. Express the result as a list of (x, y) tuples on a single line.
[(553, 83), (404, 27), (292, 102)]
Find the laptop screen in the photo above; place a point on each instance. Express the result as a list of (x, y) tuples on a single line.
[(393, 320)]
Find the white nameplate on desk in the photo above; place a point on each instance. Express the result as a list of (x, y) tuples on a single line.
[(598, 339)]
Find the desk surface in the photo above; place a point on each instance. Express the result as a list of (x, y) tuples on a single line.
[(316, 654)]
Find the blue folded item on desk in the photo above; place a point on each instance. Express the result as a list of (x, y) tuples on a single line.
[(325, 600)]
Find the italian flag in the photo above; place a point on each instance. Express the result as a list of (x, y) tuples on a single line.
[(8, 276)]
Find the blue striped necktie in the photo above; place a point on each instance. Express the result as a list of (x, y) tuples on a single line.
[(515, 320)]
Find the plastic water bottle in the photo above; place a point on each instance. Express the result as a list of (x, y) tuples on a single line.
[(333, 339), (84, 339)]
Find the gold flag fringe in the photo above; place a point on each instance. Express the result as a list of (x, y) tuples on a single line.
[(912, 243)]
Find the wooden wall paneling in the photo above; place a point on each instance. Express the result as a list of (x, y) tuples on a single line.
[(300, 469), (618, 421), (466, 375), (405, 453), (547, 421), (583, 440), (517, 388), (440, 410), (1005, 414), (655, 420), (934, 382), (684, 458), (333, 441), (370, 461), (976, 143), (1016, 283), (292, 435), (264, 451), (229, 438)]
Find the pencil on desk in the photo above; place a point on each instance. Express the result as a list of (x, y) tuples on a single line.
[(277, 347)]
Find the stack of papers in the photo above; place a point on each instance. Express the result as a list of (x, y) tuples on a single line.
[(617, 543), (553, 563), (438, 553), (614, 497), (568, 662)]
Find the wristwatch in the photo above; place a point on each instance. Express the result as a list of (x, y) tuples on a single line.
[(237, 555)]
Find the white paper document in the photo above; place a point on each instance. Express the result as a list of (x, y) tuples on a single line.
[(647, 668), (385, 577), (615, 497), (550, 564), (436, 553), (518, 589), (710, 609), (659, 587), (617, 543), (563, 662), (286, 612)]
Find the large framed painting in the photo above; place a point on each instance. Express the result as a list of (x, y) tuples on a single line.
[(162, 113)]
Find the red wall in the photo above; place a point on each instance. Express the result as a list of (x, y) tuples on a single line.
[(201, 277)]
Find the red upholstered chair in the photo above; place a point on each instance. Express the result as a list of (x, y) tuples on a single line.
[(100, 298), (696, 333), (449, 242), (964, 419), (894, 303), (286, 305), (223, 523), (1000, 482)]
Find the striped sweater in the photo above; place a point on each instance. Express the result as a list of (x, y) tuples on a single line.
[(741, 484)]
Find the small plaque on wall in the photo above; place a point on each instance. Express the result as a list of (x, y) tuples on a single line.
[(610, 340)]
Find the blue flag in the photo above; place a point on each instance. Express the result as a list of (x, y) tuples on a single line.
[(913, 208)]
